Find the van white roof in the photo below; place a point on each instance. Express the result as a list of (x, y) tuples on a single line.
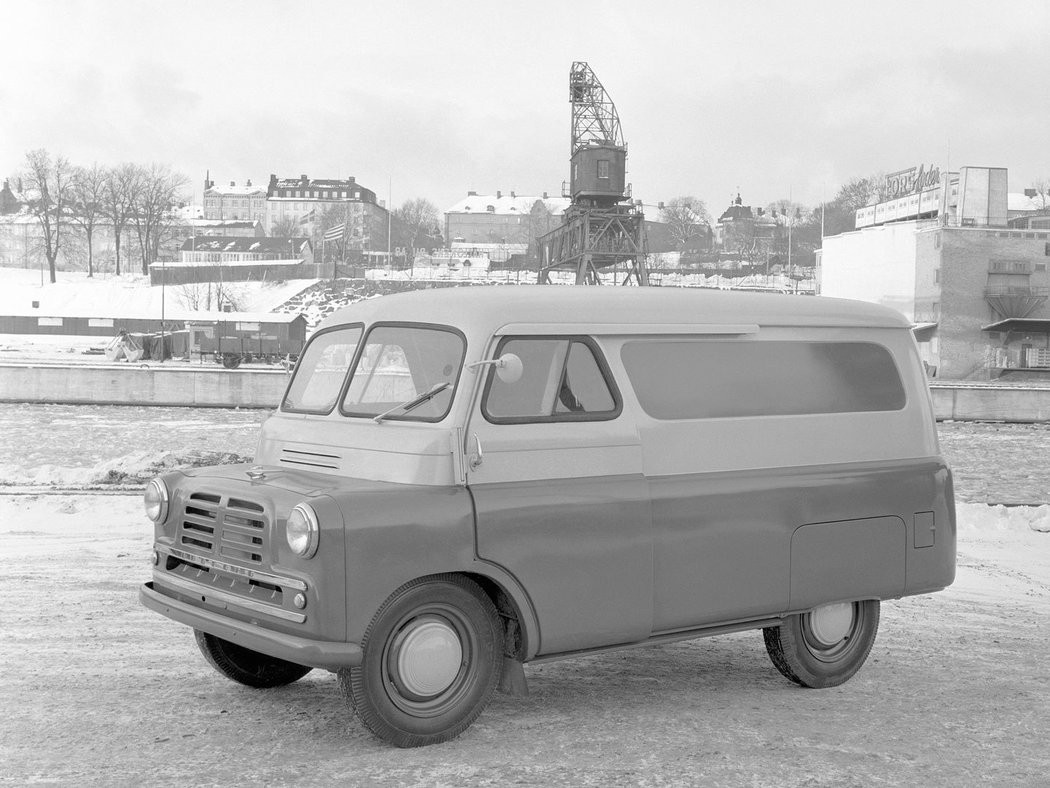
[(487, 308)]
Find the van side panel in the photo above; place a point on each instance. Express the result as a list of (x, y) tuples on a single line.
[(724, 543), (846, 560), (582, 550)]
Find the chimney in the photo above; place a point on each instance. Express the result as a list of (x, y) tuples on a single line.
[(233, 183), (351, 180), (248, 182), (513, 195), (545, 195), (303, 179), (472, 194), (499, 194)]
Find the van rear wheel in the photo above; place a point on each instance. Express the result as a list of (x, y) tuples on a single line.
[(825, 646), (432, 659), (246, 666)]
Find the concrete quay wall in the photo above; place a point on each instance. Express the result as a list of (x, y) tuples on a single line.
[(971, 402), (153, 384), (216, 387)]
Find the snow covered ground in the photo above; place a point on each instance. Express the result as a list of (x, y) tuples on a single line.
[(101, 691), (107, 295)]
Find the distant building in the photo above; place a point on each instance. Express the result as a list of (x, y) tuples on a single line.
[(9, 201), (751, 233), (1029, 211), (235, 202), (227, 259), (502, 218), (324, 203), (950, 256)]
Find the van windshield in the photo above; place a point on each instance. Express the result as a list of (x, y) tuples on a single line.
[(321, 370), (398, 365)]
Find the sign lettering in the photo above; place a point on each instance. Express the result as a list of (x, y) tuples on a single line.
[(912, 181)]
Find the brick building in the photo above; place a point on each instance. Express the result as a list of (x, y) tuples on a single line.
[(233, 202), (502, 218), (952, 259)]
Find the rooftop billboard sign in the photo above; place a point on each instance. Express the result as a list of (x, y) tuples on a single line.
[(912, 181)]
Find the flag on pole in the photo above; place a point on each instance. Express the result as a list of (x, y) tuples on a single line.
[(332, 233), (307, 217)]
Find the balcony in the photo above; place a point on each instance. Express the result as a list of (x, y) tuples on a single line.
[(1015, 301)]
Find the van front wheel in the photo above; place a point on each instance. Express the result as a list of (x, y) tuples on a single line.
[(246, 666), (825, 646), (432, 659)]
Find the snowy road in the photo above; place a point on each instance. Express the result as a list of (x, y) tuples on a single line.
[(98, 690)]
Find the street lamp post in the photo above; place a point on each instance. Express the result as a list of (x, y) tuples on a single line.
[(163, 283)]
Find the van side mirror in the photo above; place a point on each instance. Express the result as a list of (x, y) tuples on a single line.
[(508, 367)]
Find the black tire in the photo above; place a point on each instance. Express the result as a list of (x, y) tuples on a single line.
[(827, 645), (231, 361), (246, 666), (432, 659)]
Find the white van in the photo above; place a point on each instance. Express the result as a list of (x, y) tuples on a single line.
[(461, 481)]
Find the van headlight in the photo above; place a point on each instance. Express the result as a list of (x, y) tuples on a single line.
[(303, 531), (156, 501)]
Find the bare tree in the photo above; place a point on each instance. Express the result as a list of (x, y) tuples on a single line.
[(89, 193), (154, 193), (685, 216), (1042, 193), (420, 220), (118, 200), (286, 227), (49, 184)]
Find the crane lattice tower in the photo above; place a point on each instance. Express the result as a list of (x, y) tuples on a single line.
[(601, 227)]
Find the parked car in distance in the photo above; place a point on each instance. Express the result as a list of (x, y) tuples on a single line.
[(459, 482)]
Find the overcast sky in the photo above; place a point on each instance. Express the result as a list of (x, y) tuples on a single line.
[(431, 99)]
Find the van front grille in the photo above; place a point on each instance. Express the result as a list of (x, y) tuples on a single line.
[(224, 528)]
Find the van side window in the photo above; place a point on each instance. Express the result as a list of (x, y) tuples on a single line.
[(708, 379), (563, 379)]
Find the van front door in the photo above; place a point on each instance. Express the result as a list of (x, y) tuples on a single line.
[(559, 494)]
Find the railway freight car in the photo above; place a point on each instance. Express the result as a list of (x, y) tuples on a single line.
[(238, 337)]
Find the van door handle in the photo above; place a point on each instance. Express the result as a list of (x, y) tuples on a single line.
[(478, 455)]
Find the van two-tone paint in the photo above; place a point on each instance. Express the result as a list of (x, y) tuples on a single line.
[(459, 482)]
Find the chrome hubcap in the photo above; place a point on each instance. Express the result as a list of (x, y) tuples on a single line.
[(830, 624), (429, 657)]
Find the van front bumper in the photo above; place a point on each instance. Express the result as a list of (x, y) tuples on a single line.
[(302, 651)]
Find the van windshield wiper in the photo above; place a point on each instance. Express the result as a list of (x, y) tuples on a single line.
[(429, 394)]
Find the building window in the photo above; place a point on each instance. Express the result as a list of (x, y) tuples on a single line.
[(936, 276), (603, 169), (936, 240), (1040, 268)]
